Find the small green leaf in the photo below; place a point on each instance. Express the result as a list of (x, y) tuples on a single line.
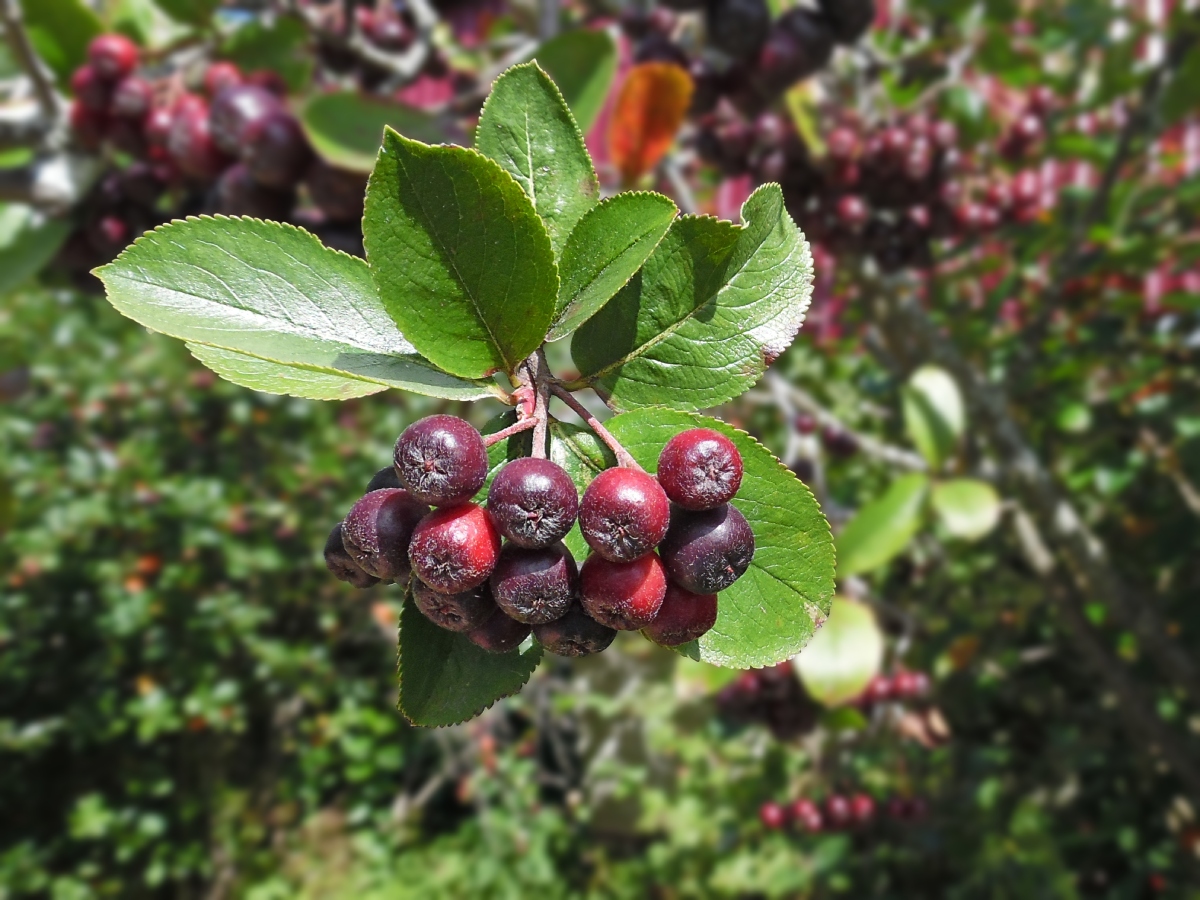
[(933, 413), (463, 263), (582, 64), (967, 508), (28, 240), (713, 306), (190, 12), (843, 657), (279, 378), (527, 128), (445, 679), (346, 127), (883, 527), (60, 31), (280, 46), (272, 292), (769, 614), (146, 22), (605, 249)]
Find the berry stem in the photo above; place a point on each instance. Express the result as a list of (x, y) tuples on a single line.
[(624, 459), (504, 434), (539, 373)]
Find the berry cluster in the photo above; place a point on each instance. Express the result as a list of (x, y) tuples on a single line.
[(750, 59), (662, 548), (838, 812), (774, 697), (231, 148), (901, 686)]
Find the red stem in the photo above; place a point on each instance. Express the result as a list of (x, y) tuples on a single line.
[(624, 459)]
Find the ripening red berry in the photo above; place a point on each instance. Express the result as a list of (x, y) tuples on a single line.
[(622, 595), (533, 502), (455, 549), (806, 815), (342, 564), (237, 107), (113, 56), (91, 91), (837, 811), (377, 531), (390, 32), (108, 234), (624, 514), (384, 478), (88, 127), (705, 552), (700, 469), (852, 211), (575, 634), (454, 612), (275, 150), (878, 690), (841, 145), (772, 815), (270, 81), (441, 459), (535, 586), (190, 141), (862, 809), (220, 75), (157, 127), (910, 685), (499, 633), (798, 44), (683, 617)]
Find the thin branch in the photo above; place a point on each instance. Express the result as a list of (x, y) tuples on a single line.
[(539, 373), (504, 434), (622, 455), (29, 61)]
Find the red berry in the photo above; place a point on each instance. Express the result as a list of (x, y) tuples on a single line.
[(157, 127), (841, 145), (772, 815), (454, 612), (342, 564), (623, 595), (275, 150), (534, 586), (133, 99), (377, 531), (190, 141), (862, 809), (499, 633), (455, 549), (338, 193), (798, 45), (852, 211), (706, 552), (683, 617), (390, 32), (441, 459), (87, 126), (909, 685), (624, 514), (91, 91), (220, 75), (109, 234), (113, 56), (837, 811), (269, 81), (806, 815), (575, 634), (700, 469), (234, 109), (533, 502), (238, 194)]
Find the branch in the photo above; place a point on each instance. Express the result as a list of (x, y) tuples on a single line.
[(22, 124), (29, 61), (53, 183), (622, 455), (505, 433), (539, 373)]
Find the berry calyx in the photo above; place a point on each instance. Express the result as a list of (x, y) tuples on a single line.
[(377, 530), (623, 595), (454, 612), (574, 634), (683, 617), (624, 514), (533, 502), (700, 469), (342, 564), (499, 633), (772, 815), (534, 586), (113, 56), (705, 552), (442, 460), (455, 549)]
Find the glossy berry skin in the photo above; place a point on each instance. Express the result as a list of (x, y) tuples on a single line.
[(91, 91), (807, 815), (624, 514), (384, 478), (133, 99), (623, 595), (113, 56), (455, 549), (798, 45), (848, 19), (157, 127), (862, 809), (221, 75), (533, 502), (190, 141), (909, 685), (238, 194), (575, 634), (535, 586), (683, 617), (339, 561), (338, 193), (88, 127), (499, 633), (878, 690), (738, 27), (234, 109), (377, 531), (773, 815), (700, 469), (275, 150), (706, 552), (837, 811), (441, 459), (454, 612)]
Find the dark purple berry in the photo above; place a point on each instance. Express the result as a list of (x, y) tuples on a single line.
[(384, 478), (91, 91), (798, 45), (455, 549), (190, 142), (275, 150), (237, 107), (575, 634), (339, 561), (219, 76), (683, 617), (624, 514), (838, 443), (533, 502), (534, 586), (442, 460), (848, 19), (705, 552), (700, 469), (338, 193), (377, 531), (623, 595), (738, 27), (499, 633), (113, 56), (133, 99), (454, 612), (239, 194)]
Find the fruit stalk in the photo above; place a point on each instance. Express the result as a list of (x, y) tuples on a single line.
[(623, 457)]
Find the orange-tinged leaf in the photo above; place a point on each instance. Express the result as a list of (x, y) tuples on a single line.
[(649, 110)]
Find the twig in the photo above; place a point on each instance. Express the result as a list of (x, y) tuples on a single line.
[(622, 455), (539, 373), (29, 61), (504, 434)]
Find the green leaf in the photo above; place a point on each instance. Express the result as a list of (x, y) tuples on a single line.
[(883, 527), (346, 127), (844, 656), (527, 128), (190, 12), (582, 64), (445, 679), (967, 508), (933, 413), (713, 306), (28, 240), (769, 614), (146, 22), (604, 251), (60, 31), (463, 263), (280, 378), (1182, 93), (280, 46), (272, 292)]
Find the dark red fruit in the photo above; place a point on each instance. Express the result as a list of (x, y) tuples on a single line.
[(878, 690), (157, 127), (133, 99), (377, 531), (838, 443), (575, 634), (700, 469), (270, 81), (499, 633), (342, 564), (852, 212), (798, 45), (455, 549), (533, 502), (88, 126), (705, 552), (624, 514), (534, 586), (910, 685), (837, 811), (219, 76), (390, 32), (275, 150), (862, 809), (848, 19), (113, 56), (234, 109), (108, 234), (683, 617), (773, 815), (623, 595), (454, 612), (384, 478), (238, 194), (738, 27), (441, 459), (842, 145), (338, 193), (190, 141), (807, 815), (91, 91)]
